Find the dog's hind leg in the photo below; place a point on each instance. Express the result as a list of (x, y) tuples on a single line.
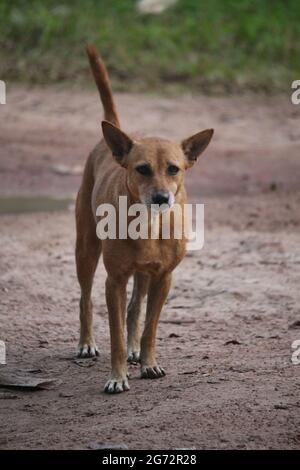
[(88, 250), (140, 289)]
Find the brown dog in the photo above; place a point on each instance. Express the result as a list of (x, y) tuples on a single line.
[(149, 171)]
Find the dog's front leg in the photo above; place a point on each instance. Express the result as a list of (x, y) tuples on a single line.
[(157, 294), (116, 304)]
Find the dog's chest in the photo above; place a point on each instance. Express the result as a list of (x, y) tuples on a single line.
[(156, 256)]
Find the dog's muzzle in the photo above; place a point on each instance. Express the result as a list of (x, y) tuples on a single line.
[(163, 199)]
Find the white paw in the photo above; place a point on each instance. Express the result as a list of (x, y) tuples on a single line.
[(87, 350), (116, 385)]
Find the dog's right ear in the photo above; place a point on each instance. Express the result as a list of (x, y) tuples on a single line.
[(118, 142)]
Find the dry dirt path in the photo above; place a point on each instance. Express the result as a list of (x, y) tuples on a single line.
[(226, 332)]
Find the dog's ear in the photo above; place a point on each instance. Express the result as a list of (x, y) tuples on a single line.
[(195, 145), (118, 142)]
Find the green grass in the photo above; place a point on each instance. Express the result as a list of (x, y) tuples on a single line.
[(210, 45)]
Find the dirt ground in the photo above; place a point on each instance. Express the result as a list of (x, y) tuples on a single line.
[(226, 331)]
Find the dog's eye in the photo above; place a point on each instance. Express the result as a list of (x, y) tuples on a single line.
[(173, 170), (144, 170)]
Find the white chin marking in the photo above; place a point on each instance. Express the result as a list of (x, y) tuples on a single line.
[(164, 208), (171, 199)]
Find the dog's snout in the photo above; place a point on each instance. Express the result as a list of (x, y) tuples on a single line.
[(161, 197)]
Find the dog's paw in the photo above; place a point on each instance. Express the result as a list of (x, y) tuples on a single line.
[(117, 385), (154, 372), (133, 357), (87, 350)]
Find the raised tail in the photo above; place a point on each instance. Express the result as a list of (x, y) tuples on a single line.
[(103, 84)]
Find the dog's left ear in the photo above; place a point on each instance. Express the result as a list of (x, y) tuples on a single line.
[(119, 143), (195, 145)]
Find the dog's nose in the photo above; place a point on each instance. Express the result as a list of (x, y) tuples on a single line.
[(160, 198)]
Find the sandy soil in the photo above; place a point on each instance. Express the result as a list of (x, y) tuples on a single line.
[(226, 332)]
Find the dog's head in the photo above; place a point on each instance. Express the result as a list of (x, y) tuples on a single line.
[(155, 167)]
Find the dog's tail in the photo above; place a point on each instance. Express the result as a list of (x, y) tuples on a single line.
[(103, 84)]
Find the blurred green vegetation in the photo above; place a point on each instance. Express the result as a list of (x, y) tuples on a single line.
[(208, 45)]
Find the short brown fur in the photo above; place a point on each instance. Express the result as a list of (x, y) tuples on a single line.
[(110, 172)]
